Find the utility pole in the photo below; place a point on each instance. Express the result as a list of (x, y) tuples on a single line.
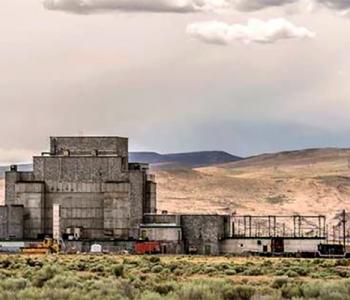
[(344, 230)]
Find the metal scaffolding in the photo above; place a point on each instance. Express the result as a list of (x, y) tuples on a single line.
[(295, 226)]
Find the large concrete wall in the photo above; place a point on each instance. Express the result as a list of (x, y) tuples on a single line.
[(137, 199), (204, 232), (11, 222), (31, 196), (151, 197), (55, 169), (11, 179), (161, 233), (117, 210)]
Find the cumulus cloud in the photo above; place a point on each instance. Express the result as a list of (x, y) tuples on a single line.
[(255, 31), (175, 6)]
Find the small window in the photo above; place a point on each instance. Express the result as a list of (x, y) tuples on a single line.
[(242, 245), (259, 242)]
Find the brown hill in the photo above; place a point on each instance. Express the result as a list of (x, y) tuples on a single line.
[(313, 181)]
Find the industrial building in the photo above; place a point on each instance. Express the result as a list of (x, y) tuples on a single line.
[(85, 191), (90, 179)]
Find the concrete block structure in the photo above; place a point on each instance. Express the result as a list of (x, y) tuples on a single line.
[(11, 222), (203, 233), (92, 182), (200, 234)]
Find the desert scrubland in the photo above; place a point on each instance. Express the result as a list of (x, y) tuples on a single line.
[(176, 277)]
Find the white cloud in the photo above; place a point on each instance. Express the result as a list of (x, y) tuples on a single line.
[(255, 31)]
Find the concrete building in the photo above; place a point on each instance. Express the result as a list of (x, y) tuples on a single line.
[(91, 180)]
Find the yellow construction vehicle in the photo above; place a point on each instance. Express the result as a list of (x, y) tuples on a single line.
[(49, 245)]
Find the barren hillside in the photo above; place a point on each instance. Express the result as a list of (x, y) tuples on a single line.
[(310, 181)]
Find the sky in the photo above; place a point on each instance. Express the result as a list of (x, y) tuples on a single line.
[(243, 76)]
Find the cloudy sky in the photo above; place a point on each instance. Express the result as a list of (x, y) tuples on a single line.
[(245, 76)]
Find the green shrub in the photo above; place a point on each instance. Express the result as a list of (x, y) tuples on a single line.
[(302, 271), (148, 295), (291, 291), (62, 281), (165, 288), (291, 273), (195, 291), (240, 268), (278, 282), (5, 263), (97, 268), (311, 290), (209, 270), (320, 275), (118, 270), (154, 259), (253, 271), (280, 272), (239, 292), (45, 274), (342, 262), (230, 272), (13, 284), (157, 269)]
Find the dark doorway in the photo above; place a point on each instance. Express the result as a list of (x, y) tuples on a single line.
[(207, 250), (277, 245)]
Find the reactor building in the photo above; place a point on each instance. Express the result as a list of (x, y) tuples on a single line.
[(99, 193)]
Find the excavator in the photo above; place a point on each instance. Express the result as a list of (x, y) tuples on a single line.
[(47, 246)]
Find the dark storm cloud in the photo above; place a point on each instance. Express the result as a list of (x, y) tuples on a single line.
[(251, 5), (172, 6), (97, 6), (336, 4)]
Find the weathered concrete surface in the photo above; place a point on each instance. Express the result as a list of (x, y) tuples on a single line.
[(86, 145), (11, 222), (162, 219), (153, 232), (203, 232)]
